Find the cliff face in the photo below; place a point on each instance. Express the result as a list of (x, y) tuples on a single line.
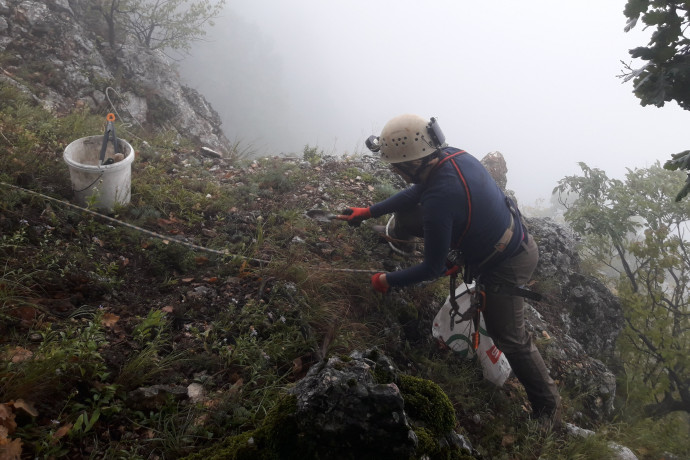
[(53, 51)]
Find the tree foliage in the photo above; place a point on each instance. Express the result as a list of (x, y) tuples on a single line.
[(158, 24), (635, 228), (680, 161), (665, 74), (592, 203), (172, 24)]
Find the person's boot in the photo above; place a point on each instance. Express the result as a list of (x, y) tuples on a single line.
[(530, 370)]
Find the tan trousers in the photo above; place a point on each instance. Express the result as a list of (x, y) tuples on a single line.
[(505, 322)]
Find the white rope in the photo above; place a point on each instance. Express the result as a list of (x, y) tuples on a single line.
[(224, 253), (112, 106), (389, 238)]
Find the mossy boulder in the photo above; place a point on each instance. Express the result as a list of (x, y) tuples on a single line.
[(359, 407)]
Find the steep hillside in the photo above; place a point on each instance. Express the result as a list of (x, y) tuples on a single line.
[(160, 338), (183, 320)]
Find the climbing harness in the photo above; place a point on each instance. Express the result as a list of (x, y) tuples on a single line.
[(467, 190), (505, 239), (478, 301), (477, 306)]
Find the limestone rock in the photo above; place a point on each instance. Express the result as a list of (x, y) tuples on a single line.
[(53, 45), (587, 310), (340, 404), (343, 409), (580, 315), (496, 165)]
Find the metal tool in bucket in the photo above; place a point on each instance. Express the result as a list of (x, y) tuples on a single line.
[(109, 130)]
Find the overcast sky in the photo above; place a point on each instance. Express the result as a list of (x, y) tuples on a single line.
[(534, 79)]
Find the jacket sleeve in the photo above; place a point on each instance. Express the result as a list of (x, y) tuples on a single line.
[(438, 225), (404, 199)]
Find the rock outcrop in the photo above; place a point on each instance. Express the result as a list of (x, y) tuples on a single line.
[(50, 51), (359, 406), (585, 308), (497, 167), (579, 319)]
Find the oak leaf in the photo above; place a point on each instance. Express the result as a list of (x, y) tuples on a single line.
[(20, 354), (109, 319), (7, 423), (62, 431), (10, 449), (26, 406)]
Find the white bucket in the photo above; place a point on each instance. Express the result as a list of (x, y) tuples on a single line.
[(108, 184)]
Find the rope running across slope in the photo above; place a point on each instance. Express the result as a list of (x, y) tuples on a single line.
[(223, 253)]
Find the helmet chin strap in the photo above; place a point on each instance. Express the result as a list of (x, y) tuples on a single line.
[(416, 173)]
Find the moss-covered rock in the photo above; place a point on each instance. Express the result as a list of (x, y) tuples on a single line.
[(427, 403), (360, 408)]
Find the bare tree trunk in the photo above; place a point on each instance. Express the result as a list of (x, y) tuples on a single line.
[(665, 407)]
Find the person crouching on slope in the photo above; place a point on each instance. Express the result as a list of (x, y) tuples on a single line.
[(454, 203)]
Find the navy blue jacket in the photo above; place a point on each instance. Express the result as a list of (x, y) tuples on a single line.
[(446, 208)]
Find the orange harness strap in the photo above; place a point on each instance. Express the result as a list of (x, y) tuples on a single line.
[(467, 191)]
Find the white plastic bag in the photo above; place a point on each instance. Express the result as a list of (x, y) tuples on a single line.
[(495, 366)]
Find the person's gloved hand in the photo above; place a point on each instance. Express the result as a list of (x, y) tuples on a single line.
[(451, 270), (355, 216), (380, 285), (454, 263)]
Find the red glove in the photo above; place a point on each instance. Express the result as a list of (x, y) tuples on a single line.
[(355, 216), (454, 262), (378, 284), (452, 270)]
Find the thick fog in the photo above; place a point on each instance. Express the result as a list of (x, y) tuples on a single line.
[(535, 80)]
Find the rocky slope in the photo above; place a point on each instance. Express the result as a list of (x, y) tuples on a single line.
[(47, 51)]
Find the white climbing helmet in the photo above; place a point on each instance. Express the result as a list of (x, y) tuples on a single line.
[(409, 137)]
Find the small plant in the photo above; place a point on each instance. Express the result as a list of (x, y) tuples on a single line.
[(165, 259), (63, 356), (312, 155), (16, 240), (101, 402), (161, 110), (278, 178), (384, 190), (358, 174), (94, 196), (145, 365), (151, 329), (107, 273), (242, 152)]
